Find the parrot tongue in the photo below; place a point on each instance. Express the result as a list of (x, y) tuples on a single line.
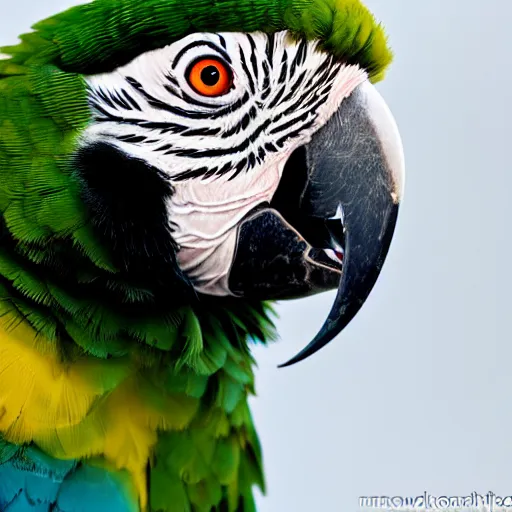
[(355, 167)]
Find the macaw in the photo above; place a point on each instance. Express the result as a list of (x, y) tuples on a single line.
[(167, 169)]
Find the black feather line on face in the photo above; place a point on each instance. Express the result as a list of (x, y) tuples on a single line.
[(246, 70), (266, 81), (254, 59), (271, 44), (199, 44), (161, 105), (299, 58)]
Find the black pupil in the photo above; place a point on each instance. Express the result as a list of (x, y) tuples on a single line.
[(210, 76)]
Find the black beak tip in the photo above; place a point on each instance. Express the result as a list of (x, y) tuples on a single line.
[(353, 290), (326, 334)]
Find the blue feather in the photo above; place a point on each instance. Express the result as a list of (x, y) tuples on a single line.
[(33, 482), (91, 489)]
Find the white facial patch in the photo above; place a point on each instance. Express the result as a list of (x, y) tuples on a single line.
[(223, 155)]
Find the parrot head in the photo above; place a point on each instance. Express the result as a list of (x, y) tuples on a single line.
[(241, 145)]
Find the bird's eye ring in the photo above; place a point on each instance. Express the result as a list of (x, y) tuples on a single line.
[(210, 76)]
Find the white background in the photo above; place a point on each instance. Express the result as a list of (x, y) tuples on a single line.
[(416, 393)]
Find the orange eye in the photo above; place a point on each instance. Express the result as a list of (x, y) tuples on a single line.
[(210, 77)]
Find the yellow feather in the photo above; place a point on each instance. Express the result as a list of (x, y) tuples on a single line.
[(87, 408)]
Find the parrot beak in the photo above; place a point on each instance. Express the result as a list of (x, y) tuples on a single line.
[(337, 205), (356, 175)]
